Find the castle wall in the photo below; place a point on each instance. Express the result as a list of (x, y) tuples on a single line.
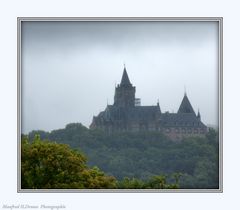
[(174, 133), (177, 134)]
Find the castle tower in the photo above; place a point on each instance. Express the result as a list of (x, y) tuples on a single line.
[(125, 92), (186, 106)]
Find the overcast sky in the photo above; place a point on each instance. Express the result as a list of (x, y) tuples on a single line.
[(69, 69)]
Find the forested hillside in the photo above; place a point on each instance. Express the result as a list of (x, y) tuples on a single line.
[(51, 165), (145, 154)]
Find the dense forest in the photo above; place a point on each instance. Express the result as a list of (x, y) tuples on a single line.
[(139, 159), (50, 165)]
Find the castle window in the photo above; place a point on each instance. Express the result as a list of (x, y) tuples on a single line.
[(177, 130), (195, 130), (183, 130), (189, 130)]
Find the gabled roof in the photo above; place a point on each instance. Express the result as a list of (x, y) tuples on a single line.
[(144, 113), (137, 113), (185, 106), (125, 80)]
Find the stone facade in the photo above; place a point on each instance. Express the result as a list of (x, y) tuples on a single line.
[(125, 115)]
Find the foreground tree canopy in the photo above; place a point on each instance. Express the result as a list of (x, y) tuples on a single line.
[(144, 155), (49, 165)]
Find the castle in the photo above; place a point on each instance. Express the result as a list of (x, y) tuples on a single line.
[(127, 114)]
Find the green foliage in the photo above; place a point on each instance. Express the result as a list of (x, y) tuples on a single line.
[(48, 165), (155, 182), (143, 155), (128, 183), (158, 182)]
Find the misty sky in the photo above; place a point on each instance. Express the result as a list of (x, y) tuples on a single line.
[(69, 69)]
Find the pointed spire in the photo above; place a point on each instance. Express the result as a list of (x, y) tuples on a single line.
[(158, 105), (125, 80), (198, 115), (185, 106)]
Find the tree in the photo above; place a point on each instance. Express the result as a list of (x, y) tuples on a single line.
[(48, 165), (142, 155), (128, 183), (155, 182), (160, 182)]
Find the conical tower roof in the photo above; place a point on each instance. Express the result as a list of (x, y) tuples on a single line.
[(185, 106), (125, 80)]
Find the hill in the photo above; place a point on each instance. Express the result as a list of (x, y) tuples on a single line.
[(144, 154)]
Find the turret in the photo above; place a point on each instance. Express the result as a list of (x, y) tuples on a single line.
[(158, 106), (198, 115), (186, 106)]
